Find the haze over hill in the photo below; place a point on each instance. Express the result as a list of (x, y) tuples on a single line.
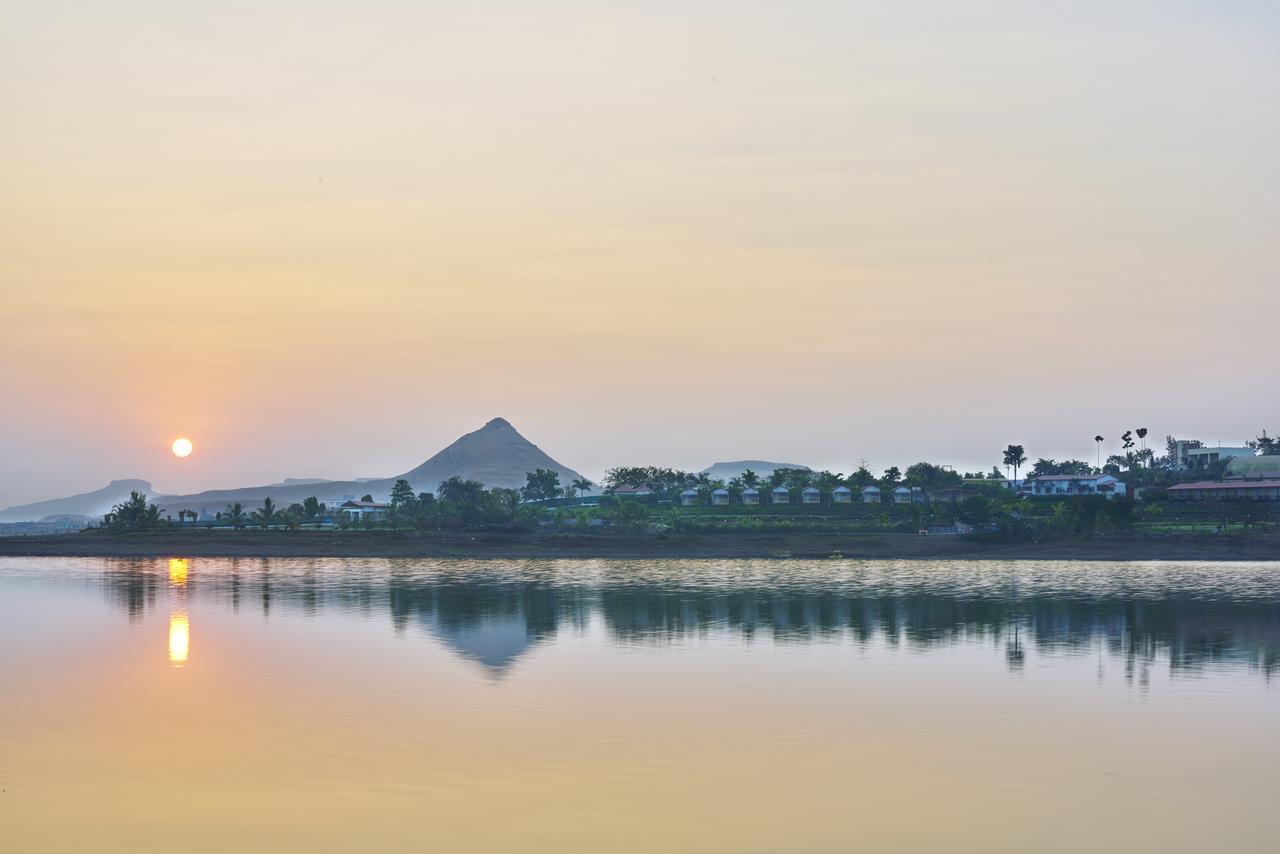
[(728, 471), (495, 455), (85, 504)]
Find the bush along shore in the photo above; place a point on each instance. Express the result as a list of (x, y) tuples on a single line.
[(705, 543)]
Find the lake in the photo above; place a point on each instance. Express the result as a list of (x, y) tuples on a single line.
[(217, 705)]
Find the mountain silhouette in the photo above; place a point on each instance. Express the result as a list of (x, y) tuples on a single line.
[(495, 455), (93, 503)]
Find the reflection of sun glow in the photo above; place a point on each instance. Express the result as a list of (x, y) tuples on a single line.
[(179, 639), (178, 568)]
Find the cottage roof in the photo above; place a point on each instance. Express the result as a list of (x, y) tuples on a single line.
[(1229, 485), (778, 489), (689, 492), (811, 489), (842, 489), (750, 490), (367, 505), (871, 488), (1061, 477), (720, 491)]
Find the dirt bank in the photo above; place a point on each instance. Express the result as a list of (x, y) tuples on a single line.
[(202, 543)]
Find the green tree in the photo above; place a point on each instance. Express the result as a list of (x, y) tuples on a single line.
[(891, 476), (312, 509), (235, 515), (540, 485), (582, 485), (266, 515), (750, 479), (1015, 456), (1267, 446), (134, 514), (861, 477), (402, 494), (630, 516)]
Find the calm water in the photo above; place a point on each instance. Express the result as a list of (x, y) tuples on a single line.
[(789, 706)]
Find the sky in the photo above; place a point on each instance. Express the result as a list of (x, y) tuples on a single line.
[(324, 239)]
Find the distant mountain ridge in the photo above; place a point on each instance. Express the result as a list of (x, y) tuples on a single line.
[(92, 504), (729, 470), (495, 455)]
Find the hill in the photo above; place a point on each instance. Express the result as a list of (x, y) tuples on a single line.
[(91, 504), (728, 471), (495, 455)]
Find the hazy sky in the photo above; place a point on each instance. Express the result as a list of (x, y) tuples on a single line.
[(326, 238)]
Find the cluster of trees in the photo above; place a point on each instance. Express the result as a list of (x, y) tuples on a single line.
[(134, 514), (670, 482), (544, 484)]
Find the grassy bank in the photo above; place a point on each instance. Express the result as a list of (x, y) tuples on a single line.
[(703, 544)]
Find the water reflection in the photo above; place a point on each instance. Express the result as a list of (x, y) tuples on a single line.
[(1193, 616), (179, 639), (179, 567)]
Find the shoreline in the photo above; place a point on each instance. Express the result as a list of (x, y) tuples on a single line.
[(737, 545)]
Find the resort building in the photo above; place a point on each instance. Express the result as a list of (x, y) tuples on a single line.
[(841, 495), (720, 497), (628, 491), (750, 495), (871, 495), (363, 509), (1227, 490), (1189, 455), (1064, 485), (689, 498), (902, 495), (780, 495), (810, 495)]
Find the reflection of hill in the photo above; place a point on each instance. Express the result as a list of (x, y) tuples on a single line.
[(495, 617)]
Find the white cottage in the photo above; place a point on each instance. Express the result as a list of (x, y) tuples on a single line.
[(902, 495), (841, 495), (750, 495), (810, 495), (720, 497), (780, 495), (689, 498), (870, 495)]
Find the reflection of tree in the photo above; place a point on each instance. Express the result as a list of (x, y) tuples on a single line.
[(1194, 629), (130, 585)]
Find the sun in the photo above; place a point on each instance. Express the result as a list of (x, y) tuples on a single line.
[(182, 447)]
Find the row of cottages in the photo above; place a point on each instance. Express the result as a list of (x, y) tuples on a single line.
[(808, 495), (777, 495), (1052, 485), (1227, 490)]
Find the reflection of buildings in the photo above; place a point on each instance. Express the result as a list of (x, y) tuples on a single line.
[(495, 618)]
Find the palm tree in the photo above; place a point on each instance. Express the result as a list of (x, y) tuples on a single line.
[(1015, 455), (582, 485), (750, 479), (266, 515), (235, 514), (1099, 440)]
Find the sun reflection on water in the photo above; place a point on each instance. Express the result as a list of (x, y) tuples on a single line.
[(178, 569), (179, 639)]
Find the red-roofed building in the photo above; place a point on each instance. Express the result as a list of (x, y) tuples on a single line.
[(1228, 490)]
